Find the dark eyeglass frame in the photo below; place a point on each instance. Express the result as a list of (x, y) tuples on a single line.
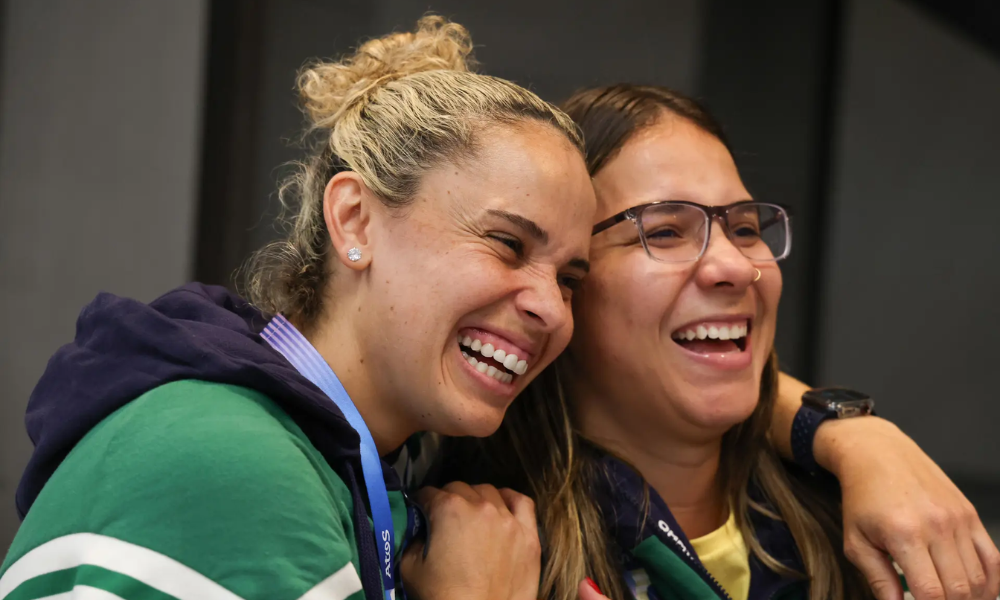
[(721, 213)]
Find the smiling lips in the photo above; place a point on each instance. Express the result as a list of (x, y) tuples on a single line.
[(713, 337), (494, 357)]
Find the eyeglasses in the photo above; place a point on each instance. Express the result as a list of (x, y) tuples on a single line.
[(675, 231)]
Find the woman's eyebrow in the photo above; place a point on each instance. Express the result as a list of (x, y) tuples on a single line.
[(580, 263), (536, 232), (529, 226)]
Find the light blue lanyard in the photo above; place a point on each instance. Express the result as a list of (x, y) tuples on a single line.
[(286, 339)]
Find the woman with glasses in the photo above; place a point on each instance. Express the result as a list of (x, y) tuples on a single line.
[(646, 445)]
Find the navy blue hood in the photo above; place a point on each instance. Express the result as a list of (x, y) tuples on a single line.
[(124, 348)]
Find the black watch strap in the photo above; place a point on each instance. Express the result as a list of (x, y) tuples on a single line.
[(804, 427)]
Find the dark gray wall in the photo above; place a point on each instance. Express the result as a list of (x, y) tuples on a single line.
[(911, 309), (99, 149)]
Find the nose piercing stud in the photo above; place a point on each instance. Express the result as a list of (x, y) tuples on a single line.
[(354, 255), (755, 278)]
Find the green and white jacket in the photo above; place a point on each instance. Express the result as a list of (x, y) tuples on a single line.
[(193, 491), (179, 457)]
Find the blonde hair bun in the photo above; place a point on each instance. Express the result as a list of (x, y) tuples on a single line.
[(327, 89), (395, 109)]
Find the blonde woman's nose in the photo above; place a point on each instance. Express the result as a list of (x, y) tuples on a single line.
[(543, 302)]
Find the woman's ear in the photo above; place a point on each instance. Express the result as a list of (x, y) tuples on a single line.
[(347, 212)]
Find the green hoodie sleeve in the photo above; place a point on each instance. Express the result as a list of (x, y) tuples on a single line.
[(193, 491)]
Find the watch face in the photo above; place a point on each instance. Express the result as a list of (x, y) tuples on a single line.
[(842, 401)]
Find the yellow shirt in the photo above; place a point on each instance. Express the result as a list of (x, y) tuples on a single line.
[(724, 554)]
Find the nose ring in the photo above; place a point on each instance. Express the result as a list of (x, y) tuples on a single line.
[(758, 275)]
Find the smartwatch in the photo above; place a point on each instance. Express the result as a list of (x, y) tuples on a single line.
[(818, 405)]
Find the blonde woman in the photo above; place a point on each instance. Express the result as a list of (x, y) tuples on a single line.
[(193, 449), (646, 445)]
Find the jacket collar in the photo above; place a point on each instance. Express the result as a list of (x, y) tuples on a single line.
[(649, 537)]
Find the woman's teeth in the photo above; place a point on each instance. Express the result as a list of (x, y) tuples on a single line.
[(489, 370), (713, 333), (510, 362)]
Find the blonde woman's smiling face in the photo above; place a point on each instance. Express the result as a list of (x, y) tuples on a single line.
[(489, 255)]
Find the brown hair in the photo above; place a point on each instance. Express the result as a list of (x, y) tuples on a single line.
[(539, 451), (399, 106)]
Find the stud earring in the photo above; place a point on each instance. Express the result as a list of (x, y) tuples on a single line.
[(354, 255)]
